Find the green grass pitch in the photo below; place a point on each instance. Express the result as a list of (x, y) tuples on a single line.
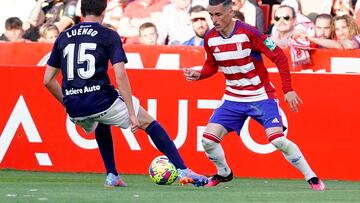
[(25, 186)]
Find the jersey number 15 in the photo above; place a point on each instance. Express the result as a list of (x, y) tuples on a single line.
[(84, 73)]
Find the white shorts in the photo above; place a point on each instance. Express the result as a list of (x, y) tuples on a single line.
[(116, 115)]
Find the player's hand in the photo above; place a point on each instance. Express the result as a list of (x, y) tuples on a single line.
[(134, 123), (191, 75), (293, 100)]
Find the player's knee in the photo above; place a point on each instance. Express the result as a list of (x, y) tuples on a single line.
[(208, 143), (281, 143)]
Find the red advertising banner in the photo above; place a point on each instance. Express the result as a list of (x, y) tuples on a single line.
[(165, 57), (36, 135), (139, 56)]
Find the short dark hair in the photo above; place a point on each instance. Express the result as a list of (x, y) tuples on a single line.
[(224, 3), (93, 7), (323, 16), (146, 25), (197, 9), (13, 23)]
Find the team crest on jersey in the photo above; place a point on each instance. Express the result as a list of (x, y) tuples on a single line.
[(270, 44), (238, 46)]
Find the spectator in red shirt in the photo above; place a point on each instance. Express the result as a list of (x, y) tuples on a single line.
[(139, 12)]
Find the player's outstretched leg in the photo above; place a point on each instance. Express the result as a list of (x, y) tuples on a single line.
[(215, 153), (165, 145), (294, 156)]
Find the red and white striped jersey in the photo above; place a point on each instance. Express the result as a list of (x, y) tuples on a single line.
[(239, 58)]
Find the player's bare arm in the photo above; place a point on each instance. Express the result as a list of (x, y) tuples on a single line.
[(191, 74), (293, 100), (349, 44), (52, 84), (125, 90)]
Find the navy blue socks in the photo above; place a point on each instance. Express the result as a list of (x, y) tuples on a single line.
[(157, 134), (104, 140), (164, 144)]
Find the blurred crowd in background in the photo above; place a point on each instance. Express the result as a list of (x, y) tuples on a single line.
[(330, 23)]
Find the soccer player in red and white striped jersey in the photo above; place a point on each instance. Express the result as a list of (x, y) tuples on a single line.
[(235, 48)]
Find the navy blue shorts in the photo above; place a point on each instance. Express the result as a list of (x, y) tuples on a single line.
[(232, 115)]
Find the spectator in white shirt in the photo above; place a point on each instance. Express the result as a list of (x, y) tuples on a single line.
[(174, 26)]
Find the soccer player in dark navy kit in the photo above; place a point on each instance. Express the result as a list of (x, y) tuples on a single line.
[(82, 54)]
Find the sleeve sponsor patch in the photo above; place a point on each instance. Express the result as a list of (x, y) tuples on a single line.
[(270, 44)]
